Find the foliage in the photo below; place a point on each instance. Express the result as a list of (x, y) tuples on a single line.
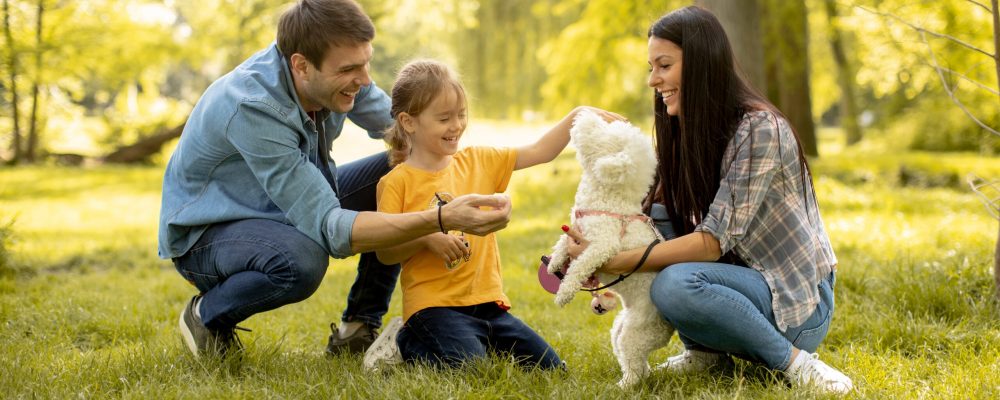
[(116, 71), (600, 59), (904, 92), (94, 313)]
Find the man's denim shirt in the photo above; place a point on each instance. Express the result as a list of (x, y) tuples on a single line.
[(248, 151)]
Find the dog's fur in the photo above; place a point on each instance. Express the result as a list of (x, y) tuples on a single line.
[(618, 169)]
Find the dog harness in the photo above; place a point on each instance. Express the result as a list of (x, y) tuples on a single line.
[(624, 219)]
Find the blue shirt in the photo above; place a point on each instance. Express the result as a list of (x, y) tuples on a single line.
[(249, 150)]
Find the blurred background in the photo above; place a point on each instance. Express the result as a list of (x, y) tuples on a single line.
[(113, 80)]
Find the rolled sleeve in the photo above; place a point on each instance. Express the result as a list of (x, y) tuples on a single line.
[(339, 224)]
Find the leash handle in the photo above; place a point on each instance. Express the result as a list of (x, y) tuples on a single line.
[(638, 265)]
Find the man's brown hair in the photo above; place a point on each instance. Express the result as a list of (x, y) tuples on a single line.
[(310, 27)]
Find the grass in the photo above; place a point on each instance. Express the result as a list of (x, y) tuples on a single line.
[(88, 310)]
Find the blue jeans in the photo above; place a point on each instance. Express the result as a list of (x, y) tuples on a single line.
[(450, 336), (726, 308), (246, 267)]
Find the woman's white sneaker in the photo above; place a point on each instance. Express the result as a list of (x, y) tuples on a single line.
[(692, 361), (810, 371)]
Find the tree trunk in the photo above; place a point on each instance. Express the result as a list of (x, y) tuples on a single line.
[(788, 67), (144, 148), (15, 141), (996, 41), (845, 76), (741, 20), (996, 250), (31, 150)]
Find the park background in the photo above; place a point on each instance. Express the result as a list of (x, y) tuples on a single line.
[(896, 100)]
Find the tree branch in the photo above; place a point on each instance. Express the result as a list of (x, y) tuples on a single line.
[(948, 88), (922, 31), (988, 192), (984, 6), (970, 80)]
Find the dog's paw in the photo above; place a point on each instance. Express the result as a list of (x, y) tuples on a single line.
[(556, 263), (563, 297)]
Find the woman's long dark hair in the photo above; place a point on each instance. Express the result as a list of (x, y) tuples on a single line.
[(714, 98)]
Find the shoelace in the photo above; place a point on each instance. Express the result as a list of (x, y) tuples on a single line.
[(229, 335)]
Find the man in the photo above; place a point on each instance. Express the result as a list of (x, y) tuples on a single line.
[(253, 206)]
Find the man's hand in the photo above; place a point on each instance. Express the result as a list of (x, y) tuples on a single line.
[(466, 214)]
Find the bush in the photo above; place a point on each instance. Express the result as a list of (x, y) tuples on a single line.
[(6, 237)]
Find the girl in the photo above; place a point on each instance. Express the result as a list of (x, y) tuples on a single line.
[(454, 306), (751, 271)]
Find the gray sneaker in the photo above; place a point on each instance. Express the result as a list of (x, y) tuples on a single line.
[(201, 340), (357, 343)]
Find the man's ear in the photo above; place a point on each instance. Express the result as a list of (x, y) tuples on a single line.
[(299, 65), (408, 121)]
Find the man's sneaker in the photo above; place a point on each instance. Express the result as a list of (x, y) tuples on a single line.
[(356, 343), (815, 373), (694, 361), (385, 351), (201, 340)]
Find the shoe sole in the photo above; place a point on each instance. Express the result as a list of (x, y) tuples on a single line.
[(390, 332), (186, 335)]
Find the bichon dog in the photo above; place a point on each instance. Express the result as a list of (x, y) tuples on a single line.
[(619, 165)]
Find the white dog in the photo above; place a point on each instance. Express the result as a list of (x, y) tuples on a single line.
[(618, 169)]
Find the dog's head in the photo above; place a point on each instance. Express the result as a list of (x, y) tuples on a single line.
[(616, 157)]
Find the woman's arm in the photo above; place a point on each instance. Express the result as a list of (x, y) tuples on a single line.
[(697, 246), (555, 140)]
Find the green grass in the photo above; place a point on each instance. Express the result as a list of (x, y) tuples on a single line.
[(88, 310)]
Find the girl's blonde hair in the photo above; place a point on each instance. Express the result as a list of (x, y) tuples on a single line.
[(417, 85)]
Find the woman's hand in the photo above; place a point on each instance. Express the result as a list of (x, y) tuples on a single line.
[(447, 247), (577, 243)]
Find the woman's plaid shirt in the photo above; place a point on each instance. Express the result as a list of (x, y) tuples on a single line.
[(767, 213)]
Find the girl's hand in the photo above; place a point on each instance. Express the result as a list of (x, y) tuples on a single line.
[(604, 114), (447, 247)]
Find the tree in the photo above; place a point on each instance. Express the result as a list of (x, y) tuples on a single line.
[(12, 53), (845, 75), (787, 61), (741, 20), (31, 149)]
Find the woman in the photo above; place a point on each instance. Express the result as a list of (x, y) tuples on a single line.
[(750, 272)]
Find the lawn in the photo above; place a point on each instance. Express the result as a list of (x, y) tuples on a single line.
[(88, 310)]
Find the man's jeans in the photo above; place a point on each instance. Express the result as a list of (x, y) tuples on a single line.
[(450, 336), (250, 266), (727, 308)]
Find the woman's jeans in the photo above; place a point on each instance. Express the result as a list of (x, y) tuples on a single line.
[(451, 336), (250, 266), (727, 308)]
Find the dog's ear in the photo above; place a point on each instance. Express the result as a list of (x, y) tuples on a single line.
[(613, 169), (586, 131)]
